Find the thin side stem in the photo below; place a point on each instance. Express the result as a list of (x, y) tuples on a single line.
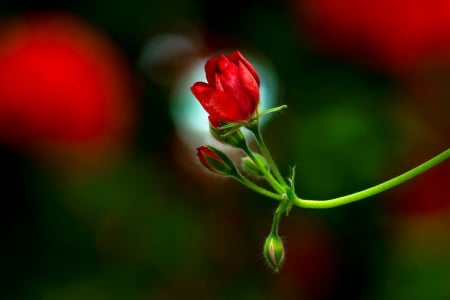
[(257, 188), (275, 223), (256, 131), (375, 189)]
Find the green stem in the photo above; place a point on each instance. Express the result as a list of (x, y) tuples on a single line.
[(375, 189), (270, 179), (257, 188), (257, 133), (276, 222)]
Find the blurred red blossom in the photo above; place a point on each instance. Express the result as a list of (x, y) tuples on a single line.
[(393, 35), (426, 194), (61, 83)]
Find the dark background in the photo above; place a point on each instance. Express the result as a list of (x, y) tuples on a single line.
[(126, 211)]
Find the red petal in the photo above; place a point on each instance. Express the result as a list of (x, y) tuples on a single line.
[(224, 107), (214, 122), (211, 68), (203, 92), (218, 83), (249, 83), (236, 57), (232, 85), (204, 152), (223, 63), (220, 105)]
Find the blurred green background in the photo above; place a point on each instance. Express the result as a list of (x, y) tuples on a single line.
[(103, 197)]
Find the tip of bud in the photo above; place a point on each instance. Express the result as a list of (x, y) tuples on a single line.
[(274, 252)]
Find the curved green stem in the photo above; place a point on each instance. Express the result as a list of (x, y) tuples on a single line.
[(257, 188), (375, 189), (257, 133)]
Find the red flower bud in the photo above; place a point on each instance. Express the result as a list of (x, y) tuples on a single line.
[(216, 161), (232, 91), (61, 83)]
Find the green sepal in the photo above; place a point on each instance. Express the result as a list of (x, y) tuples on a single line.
[(231, 136), (252, 168)]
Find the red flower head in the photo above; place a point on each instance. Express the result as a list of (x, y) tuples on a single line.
[(232, 91)]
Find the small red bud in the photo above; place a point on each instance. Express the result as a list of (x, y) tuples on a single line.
[(216, 161)]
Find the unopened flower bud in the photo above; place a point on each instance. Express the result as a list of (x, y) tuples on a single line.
[(232, 137), (274, 252), (216, 161), (250, 167)]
